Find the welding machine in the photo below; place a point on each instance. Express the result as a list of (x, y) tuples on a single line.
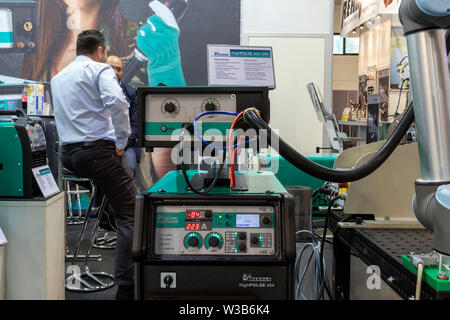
[(23, 147), (18, 26), (232, 243)]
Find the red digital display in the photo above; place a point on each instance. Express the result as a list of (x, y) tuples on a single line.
[(193, 214), (192, 226)]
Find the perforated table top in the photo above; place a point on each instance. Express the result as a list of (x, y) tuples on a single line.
[(398, 242)]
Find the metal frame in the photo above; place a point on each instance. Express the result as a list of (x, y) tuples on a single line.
[(352, 241), (78, 281)]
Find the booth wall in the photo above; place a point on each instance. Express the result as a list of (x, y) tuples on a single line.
[(300, 33)]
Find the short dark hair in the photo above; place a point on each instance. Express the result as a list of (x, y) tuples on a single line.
[(89, 40)]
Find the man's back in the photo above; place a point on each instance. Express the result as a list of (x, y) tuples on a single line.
[(89, 104)]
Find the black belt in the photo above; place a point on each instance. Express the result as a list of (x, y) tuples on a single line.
[(88, 144)]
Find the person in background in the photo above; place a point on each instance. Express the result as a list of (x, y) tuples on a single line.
[(133, 153), (92, 120)]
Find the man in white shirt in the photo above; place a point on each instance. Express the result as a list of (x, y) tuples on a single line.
[(92, 119)]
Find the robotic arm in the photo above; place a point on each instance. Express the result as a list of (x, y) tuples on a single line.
[(425, 23)]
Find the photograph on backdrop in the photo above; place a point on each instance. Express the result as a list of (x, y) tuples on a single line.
[(161, 43)]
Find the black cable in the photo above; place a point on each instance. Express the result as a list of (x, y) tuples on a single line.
[(400, 97), (186, 178), (328, 174), (324, 236)]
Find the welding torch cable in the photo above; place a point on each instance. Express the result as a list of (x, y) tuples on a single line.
[(186, 178), (328, 174), (230, 149), (206, 143)]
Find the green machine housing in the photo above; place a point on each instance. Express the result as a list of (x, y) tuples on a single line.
[(23, 148), (228, 245), (289, 175), (430, 276)]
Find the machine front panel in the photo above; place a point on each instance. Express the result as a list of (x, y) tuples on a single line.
[(166, 114), (215, 230)]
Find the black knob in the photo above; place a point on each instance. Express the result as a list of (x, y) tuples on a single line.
[(209, 106), (213, 242), (208, 214), (168, 280), (242, 236), (242, 247), (170, 107), (266, 220), (193, 241), (254, 240)]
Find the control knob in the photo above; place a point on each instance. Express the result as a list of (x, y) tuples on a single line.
[(209, 106), (170, 107), (213, 240), (193, 240)]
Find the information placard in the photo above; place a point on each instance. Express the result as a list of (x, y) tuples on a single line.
[(240, 66), (45, 181)]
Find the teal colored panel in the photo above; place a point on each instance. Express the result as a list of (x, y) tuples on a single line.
[(11, 174), (250, 53), (170, 220), (289, 175), (259, 183), (168, 128), (6, 37)]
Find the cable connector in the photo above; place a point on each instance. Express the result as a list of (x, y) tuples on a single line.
[(428, 260), (251, 109)]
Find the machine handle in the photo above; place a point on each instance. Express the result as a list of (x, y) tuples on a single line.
[(17, 112)]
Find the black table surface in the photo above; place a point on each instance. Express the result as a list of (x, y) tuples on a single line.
[(385, 247)]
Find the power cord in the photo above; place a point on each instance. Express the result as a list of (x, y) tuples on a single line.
[(186, 178), (321, 282)]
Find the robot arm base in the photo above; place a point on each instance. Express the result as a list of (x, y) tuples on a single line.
[(432, 208)]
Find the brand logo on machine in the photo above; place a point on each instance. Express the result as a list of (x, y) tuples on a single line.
[(221, 54), (250, 278)]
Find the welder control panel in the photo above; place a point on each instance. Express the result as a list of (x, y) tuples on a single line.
[(215, 230)]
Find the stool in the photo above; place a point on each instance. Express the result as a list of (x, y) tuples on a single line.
[(71, 219), (105, 240), (86, 281)]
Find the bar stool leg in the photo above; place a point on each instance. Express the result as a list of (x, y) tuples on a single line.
[(71, 220), (106, 241), (79, 278)]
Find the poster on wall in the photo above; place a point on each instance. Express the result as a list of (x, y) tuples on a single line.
[(161, 42), (399, 60), (383, 90), (178, 41)]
